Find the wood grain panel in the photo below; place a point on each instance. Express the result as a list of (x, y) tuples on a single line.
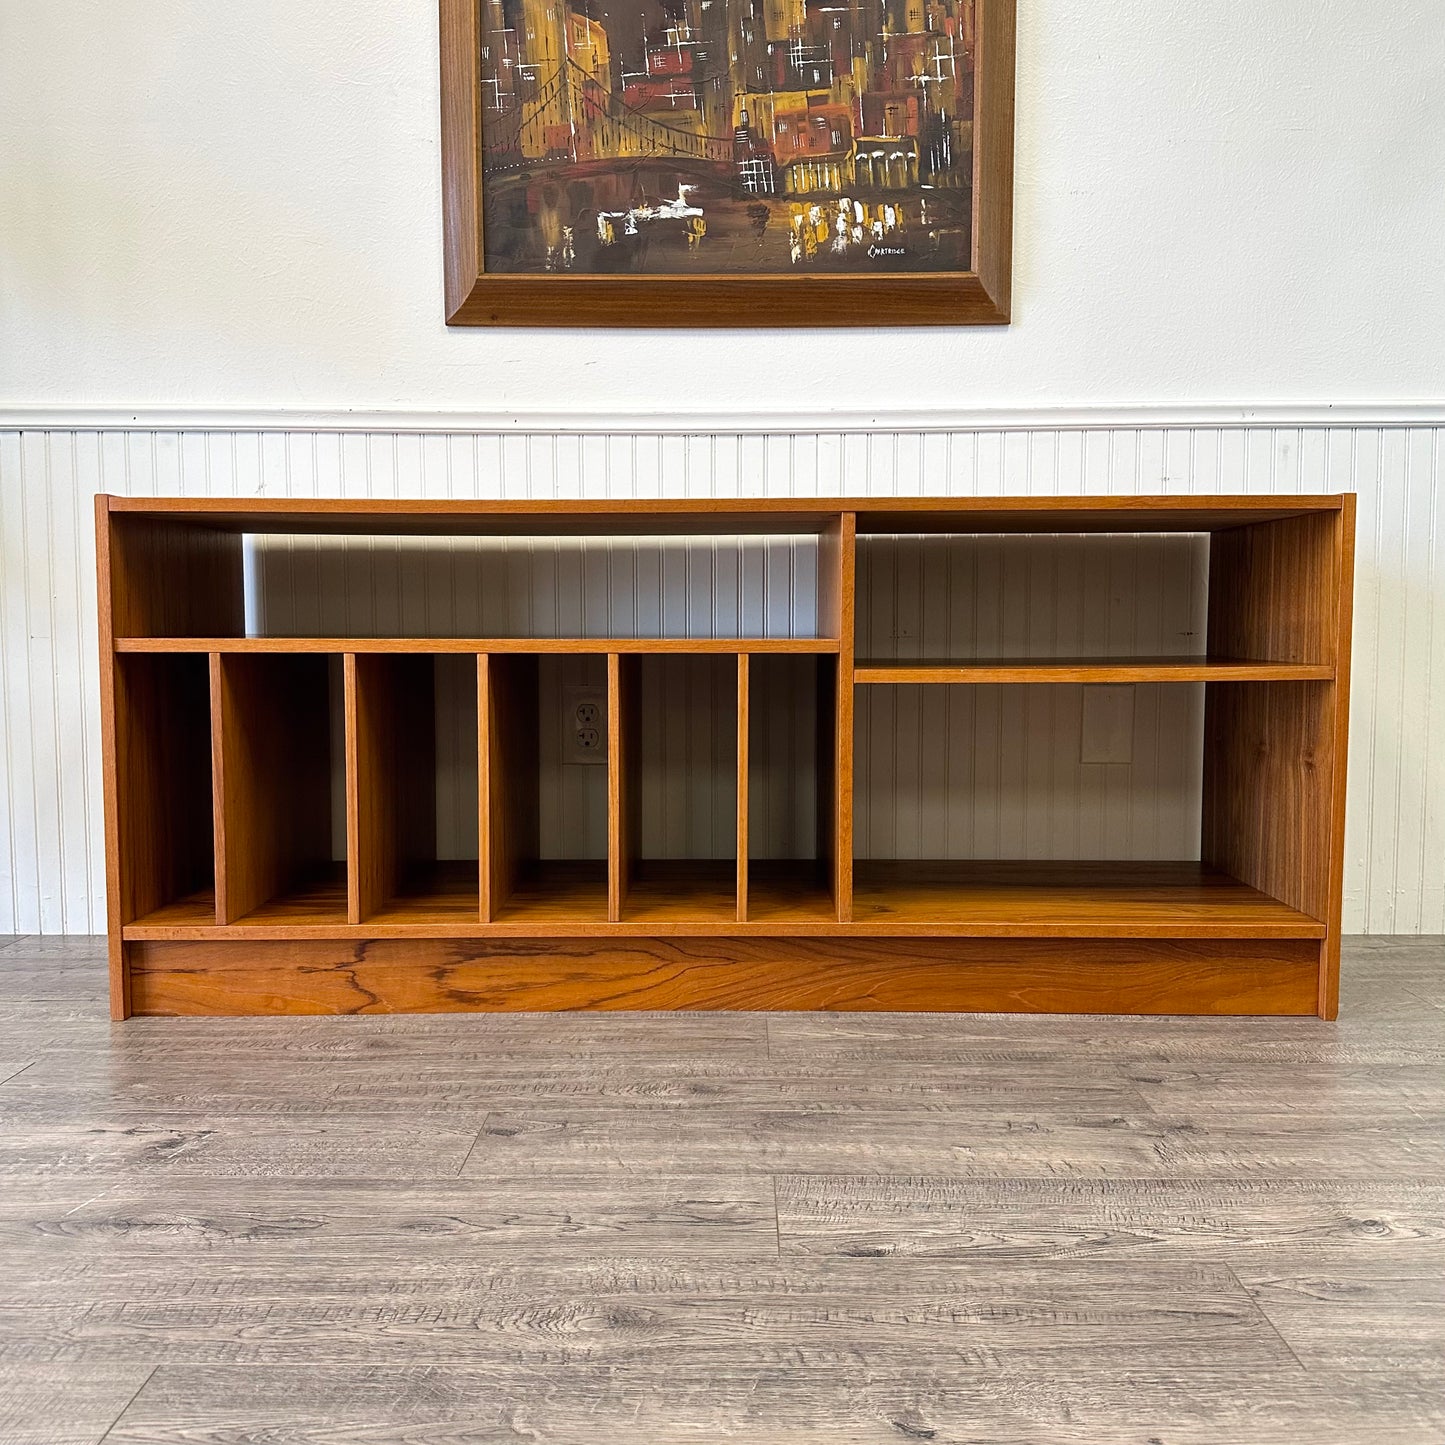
[(744, 725), (271, 752), (646, 516), (993, 225), (510, 732), (478, 644), (831, 803), (168, 578), (1016, 976), (1269, 765), (461, 201), (390, 778), (1274, 590), (1343, 624), (1089, 670), (164, 839), (1072, 899), (624, 820), (1274, 764), (839, 848)]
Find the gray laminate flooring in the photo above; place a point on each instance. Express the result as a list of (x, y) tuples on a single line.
[(688, 1228)]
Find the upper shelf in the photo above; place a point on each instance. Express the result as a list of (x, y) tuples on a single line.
[(1090, 669), (477, 644), (579, 516)]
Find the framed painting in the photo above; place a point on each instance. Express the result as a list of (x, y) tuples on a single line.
[(727, 162)]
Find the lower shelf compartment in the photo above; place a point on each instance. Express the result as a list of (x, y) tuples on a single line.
[(196, 910), (1074, 900), (696, 890), (448, 892), (787, 891), (316, 900), (1005, 975), (558, 891), (921, 899)]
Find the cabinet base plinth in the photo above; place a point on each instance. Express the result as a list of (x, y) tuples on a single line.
[(864, 974)]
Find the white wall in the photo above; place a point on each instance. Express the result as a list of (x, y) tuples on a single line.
[(238, 205), (51, 864), (215, 207)]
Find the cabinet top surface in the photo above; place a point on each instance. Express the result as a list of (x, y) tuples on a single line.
[(657, 515)]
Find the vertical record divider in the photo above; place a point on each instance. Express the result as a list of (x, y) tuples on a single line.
[(361, 857), (742, 789), (221, 863), (488, 782), (837, 547), (623, 760)]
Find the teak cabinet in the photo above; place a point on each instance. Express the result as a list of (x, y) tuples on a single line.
[(272, 801)]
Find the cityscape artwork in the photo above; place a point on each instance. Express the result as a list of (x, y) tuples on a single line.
[(742, 137)]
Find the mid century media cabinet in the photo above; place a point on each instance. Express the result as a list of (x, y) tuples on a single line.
[(272, 800)]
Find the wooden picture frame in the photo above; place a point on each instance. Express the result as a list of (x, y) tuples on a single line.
[(476, 296)]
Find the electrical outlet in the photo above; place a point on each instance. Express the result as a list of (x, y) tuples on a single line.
[(584, 725)]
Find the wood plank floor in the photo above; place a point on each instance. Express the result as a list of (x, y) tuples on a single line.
[(692, 1228)]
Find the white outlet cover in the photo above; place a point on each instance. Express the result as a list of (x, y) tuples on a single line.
[(573, 730)]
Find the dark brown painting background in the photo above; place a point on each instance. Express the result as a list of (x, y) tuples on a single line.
[(727, 136)]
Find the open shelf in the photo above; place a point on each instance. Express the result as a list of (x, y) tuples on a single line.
[(789, 890), (1089, 670), (400, 868), (729, 645), (313, 897), (196, 910), (673, 759), (557, 891), (277, 781), (1073, 899), (163, 782), (489, 585), (789, 802), (544, 803), (676, 890)]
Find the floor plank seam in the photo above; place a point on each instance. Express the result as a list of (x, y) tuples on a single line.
[(1423, 998), (1263, 1313), (777, 1218), (126, 1407), (461, 1168)]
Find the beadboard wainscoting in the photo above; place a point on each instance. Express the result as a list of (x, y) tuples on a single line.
[(1057, 771)]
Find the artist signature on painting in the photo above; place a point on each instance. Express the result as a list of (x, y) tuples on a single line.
[(874, 251)]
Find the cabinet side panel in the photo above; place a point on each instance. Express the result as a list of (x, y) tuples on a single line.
[(110, 769), (173, 579), (1269, 767), (1274, 589), (1329, 1000)]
